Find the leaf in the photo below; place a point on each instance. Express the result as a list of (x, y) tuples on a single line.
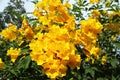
[(102, 78), (34, 1), (114, 63), (18, 15), (24, 51), (71, 79), (26, 62), (113, 78), (117, 44), (90, 71), (14, 71)]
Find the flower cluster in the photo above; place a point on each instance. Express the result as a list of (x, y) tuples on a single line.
[(51, 44), (55, 51), (87, 37)]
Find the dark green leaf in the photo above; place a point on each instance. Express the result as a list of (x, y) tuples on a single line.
[(24, 51), (113, 78), (114, 63), (117, 44), (102, 78), (26, 62)]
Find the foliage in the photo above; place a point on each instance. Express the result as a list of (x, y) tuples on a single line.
[(61, 42), (13, 13)]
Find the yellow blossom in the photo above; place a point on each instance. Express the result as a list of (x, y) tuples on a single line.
[(113, 26), (95, 14), (95, 51), (44, 20), (54, 69), (67, 4), (103, 61), (74, 61), (52, 13), (37, 13), (26, 30), (105, 12), (91, 25), (88, 59), (9, 33), (1, 63), (54, 50), (13, 53), (94, 1), (87, 36)]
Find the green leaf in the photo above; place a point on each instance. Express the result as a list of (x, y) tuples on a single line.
[(117, 44), (71, 79), (90, 71), (113, 78), (18, 15), (114, 63), (24, 63), (24, 51), (14, 71), (102, 78)]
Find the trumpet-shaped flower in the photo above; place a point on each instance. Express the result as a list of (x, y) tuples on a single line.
[(9, 33), (13, 53)]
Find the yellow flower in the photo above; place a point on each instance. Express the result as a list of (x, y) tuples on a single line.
[(113, 27), (74, 61), (67, 4), (70, 24), (95, 51), (47, 12), (104, 58), (13, 53), (94, 1), (26, 30), (57, 33), (105, 12), (88, 59), (95, 14), (91, 25), (54, 50), (37, 13), (87, 36), (91, 49), (54, 69), (44, 20), (9, 33), (1, 63), (88, 32), (29, 33)]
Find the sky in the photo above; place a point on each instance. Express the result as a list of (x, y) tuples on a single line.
[(29, 6)]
